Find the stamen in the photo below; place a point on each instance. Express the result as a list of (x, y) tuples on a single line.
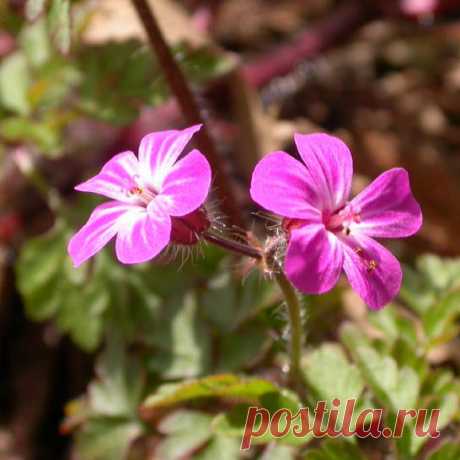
[(371, 264), (145, 194), (135, 191), (341, 220)]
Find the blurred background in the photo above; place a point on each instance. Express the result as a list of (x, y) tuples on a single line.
[(81, 349)]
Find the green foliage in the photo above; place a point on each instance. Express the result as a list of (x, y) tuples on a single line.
[(14, 84), (58, 20), (396, 366), (34, 8), (202, 320), (217, 386), (187, 349), (118, 78), (42, 92), (180, 438), (59, 24), (335, 450), (111, 421), (278, 452), (340, 380), (397, 388), (51, 287), (448, 451)]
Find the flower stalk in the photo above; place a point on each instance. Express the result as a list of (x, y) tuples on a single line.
[(295, 325), (189, 107), (290, 297), (233, 246)]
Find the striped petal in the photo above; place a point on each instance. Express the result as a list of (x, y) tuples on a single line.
[(102, 225), (116, 178), (330, 165), (281, 184), (186, 186), (142, 235), (373, 271), (387, 207), (314, 259), (159, 151)]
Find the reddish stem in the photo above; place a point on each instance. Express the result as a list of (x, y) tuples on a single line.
[(189, 108), (232, 245)]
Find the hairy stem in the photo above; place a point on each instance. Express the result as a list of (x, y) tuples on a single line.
[(295, 323), (189, 107), (290, 296), (233, 246)]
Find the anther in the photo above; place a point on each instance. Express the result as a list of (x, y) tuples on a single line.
[(372, 265), (135, 191)]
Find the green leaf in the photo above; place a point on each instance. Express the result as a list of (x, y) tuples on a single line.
[(416, 291), (186, 431), (230, 387), (442, 273), (182, 339), (120, 384), (118, 79), (222, 448), (51, 287), (330, 375), (34, 8), (448, 451), (251, 341), (202, 64), (395, 388), (215, 386), (111, 414), (278, 452), (35, 43), (14, 83), (59, 24), (394, 326), (106, 438), (39, 262), (237, 300), (16, 129), (332, 449), (232, 424), (440, 391), (439, 321)]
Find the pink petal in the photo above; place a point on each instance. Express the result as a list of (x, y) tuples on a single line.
[(281, 184), (314, 259), (159, 151), (115, 179), (142, 235), (387, 207), (97, 232), (330, 165), (373, 272), (186, 186)]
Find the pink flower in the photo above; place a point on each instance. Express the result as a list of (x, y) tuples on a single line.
[(328, 233), (152, 198)]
